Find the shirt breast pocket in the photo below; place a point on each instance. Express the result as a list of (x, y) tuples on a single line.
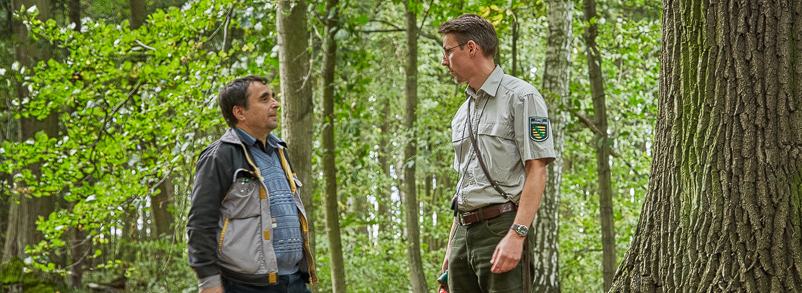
[(498, 147)]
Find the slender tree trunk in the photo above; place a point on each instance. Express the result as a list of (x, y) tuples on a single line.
[(601, 144), (137, 13), (330, 199), (297, 114), (722, 212), (417, 276), (385, 189), (427, 202), (557, 94), (515, 27), (78, 244), (5, 203), (161, 202), (160, 207), (74, 8), (23, 216)]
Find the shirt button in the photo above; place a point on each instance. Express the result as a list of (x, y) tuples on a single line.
[(473, 157)]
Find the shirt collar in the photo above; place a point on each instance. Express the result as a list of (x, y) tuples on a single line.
[(272, 140), (245, 137), (490, 87)]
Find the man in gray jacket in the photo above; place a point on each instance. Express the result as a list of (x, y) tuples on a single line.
[(247, 229)]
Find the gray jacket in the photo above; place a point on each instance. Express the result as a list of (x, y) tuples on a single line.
[(229, 229)]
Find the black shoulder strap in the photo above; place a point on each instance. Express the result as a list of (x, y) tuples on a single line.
[(482, 162)]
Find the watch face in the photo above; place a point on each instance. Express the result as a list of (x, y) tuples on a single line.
[(520, 229)]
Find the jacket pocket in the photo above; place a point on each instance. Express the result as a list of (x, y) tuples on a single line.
[(240, 242), (242, 200), (240, 248)]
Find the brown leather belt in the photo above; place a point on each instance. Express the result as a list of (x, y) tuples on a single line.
[(487, 213)]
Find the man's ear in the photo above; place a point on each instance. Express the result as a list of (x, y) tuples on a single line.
[(473, 48), (238, 112)]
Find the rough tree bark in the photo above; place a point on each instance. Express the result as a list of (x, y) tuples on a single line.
[(723, 212), (297, 113), (557, 94), (417, 277), (22, 217), (330, 199)]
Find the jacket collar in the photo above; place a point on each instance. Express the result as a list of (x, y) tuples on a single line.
[(231, 136)]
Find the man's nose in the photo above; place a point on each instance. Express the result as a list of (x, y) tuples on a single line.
[(444, 62)]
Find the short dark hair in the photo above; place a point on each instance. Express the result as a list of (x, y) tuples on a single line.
[(236, 93), (471, 27)]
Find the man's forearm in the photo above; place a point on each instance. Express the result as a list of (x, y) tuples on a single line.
[(532, 192)]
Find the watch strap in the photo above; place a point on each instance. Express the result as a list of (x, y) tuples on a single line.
[(520, 229)]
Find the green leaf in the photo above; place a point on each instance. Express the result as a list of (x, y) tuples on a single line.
[(362, 19)]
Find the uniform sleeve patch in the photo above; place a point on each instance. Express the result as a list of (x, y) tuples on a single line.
[(539, 128)]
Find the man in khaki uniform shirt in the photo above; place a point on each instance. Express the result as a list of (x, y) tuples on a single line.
[(510, 125)]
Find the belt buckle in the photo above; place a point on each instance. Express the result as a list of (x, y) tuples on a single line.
[(462, 216)]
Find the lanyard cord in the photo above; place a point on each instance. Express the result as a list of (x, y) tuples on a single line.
[(468, 122), (493, 183)]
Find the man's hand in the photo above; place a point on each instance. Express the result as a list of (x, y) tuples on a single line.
[(215, 289), (508, 253)]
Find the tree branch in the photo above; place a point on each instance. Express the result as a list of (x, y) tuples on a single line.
[(387, 23), (430, 36), (145, 46), (383, 31), (585, 120), (590, 125), (228, 17)]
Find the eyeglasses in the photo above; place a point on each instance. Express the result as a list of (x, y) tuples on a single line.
[(447, 51)]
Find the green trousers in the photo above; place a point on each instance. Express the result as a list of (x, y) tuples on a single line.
[(472, 248)]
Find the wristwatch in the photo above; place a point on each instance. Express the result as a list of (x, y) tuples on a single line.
[(520, 229)]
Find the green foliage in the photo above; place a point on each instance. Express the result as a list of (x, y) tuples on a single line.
[(134, 107), (13, 274)]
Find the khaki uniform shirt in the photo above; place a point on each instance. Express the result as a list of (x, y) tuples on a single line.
[(510, 118)]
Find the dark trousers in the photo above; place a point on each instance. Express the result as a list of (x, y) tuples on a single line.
[(286, 284), (469, 264)]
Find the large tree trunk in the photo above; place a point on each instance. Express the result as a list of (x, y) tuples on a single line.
[(602, 145), (417, 276), (297, 114), (23, 216), (330, 198), (557, 95), (722, 212)]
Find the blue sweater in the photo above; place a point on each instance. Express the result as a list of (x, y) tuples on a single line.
[(287, 235)]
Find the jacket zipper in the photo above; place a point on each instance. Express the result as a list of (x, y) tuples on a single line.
[(222, 234)]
